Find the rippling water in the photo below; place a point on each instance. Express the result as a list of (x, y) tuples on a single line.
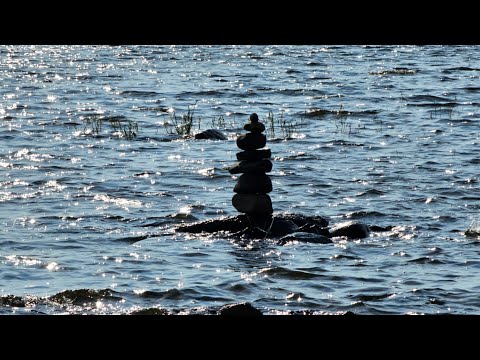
[(388, 136)]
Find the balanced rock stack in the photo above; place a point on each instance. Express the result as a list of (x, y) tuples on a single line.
[(253, 185)]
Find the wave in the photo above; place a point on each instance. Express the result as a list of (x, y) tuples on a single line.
[(285, 273), (459, 68), (394, 71), (139, 93), (318, 112)]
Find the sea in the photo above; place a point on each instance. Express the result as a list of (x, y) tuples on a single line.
[(99, 166)]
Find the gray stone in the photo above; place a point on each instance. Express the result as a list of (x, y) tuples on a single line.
[(251, 141), (350, 229), (250, 183), (212, 134), (257, 127), (262, 166), (252, 203), (253, 155)]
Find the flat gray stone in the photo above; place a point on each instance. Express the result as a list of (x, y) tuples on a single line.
[(253, 155), (261, 166)]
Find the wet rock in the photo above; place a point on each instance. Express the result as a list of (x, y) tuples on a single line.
[(281, 227), (253, 184), (472, 233), (150, 311), (251, 141), (260, 226), (261, 166), (314, 229), (211, 134), (376, 228), (12, 300), (254, 155), (231, 223), (83, 296), (302, 220), (242, 309), (350, 229), (252, 203)]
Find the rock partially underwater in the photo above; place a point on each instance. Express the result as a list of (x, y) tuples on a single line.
[(286, 227), (211, 134)]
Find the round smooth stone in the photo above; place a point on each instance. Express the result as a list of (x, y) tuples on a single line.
[(250, 183), (257, 127), (251, 141), (253, 118), (252, 203)]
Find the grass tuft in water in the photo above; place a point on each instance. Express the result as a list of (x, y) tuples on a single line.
[(182, 125), (120, 126), (281, 126)]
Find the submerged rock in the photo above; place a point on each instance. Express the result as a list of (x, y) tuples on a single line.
[(285, 227), (13, 301), (211, 134), (150, 311), (350, 229), (242, 309), (260, 226)]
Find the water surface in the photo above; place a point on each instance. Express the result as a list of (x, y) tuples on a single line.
[(389, 136)]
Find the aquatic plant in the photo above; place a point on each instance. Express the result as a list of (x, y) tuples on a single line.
[(218, 121), (285, 127), (92, 125), (121, 126), (394, 71), (126, 128), (380, 123), (439, 108), (182, 125)]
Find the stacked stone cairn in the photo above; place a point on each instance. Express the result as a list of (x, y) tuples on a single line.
[(253, 185)]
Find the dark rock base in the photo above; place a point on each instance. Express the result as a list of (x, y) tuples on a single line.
[(286, 227)]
